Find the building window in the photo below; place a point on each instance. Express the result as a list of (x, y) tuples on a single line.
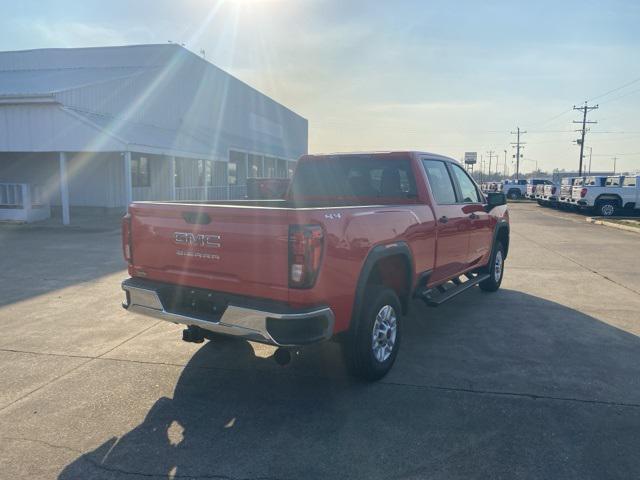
[(140, 176), (269, 167), (180, 173), (281, 169), (232, 174), (219, 174), (200, 165), (208, 173), (255, 166), (237, 168)]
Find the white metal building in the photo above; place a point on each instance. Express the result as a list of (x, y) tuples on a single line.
[(94, 128)]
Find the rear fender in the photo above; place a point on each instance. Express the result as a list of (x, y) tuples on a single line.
[(376, 254)]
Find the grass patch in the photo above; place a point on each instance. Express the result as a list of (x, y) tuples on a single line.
[(627, 222)]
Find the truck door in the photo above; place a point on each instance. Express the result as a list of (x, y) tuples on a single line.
[(452, 223), (480, 228)]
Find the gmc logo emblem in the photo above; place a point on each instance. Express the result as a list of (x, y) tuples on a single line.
[(199, 240)]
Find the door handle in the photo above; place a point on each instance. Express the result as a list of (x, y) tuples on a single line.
[(443, 219), (474, 216)]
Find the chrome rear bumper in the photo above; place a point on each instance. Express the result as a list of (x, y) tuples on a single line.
[(278, 328)]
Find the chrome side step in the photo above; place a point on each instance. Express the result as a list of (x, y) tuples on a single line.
[(438, 295)]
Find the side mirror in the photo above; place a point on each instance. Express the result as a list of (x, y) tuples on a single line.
[(495, 199)]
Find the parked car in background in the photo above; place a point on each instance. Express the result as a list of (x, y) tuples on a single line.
[(550, 195), (357, 238), (630, 193), (514, 189), (617, 193), (566, 185), (592, 194), (532, 185)]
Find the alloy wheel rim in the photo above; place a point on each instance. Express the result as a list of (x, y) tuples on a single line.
[(607, 210), (497, 270), (385, 332)]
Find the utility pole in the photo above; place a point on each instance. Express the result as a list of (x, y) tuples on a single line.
[(518, 144), (614, 164), (491, 155), (586, 109)]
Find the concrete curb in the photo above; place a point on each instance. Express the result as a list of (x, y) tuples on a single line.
[(598, 221)]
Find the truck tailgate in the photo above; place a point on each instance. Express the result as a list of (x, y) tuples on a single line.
[(234, 249)]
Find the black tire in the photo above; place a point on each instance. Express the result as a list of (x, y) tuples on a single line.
[(513, 194), (606, 208), (492, 283), (359, 349)]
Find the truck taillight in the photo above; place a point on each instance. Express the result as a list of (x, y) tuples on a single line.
[(583, 193), (126, 238), (305, 254)]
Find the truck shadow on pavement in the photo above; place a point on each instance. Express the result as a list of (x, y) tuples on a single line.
[(548, 392)]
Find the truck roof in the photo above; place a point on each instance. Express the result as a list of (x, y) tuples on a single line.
[(390, 153)]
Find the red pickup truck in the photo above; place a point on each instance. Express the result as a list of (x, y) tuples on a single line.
[(357, 237)]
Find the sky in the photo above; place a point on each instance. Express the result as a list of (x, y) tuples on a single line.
[(445, 77)]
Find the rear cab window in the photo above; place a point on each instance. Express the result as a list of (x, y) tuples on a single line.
[(363, 178)]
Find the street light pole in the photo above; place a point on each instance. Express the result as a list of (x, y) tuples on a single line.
[(505, 163)]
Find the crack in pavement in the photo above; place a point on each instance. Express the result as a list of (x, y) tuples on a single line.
[(68, 372), (473, 391), (85, 457)]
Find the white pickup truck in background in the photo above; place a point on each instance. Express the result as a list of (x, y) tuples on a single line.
[(606, 196), (514, 189), (550, 195), (566, 186), (535, 187)]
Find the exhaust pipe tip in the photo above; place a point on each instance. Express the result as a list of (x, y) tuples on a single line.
[(282, 356)]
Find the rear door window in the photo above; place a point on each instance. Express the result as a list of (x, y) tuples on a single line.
[(440, 182)]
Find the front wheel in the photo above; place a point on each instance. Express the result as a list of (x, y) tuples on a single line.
[(373, 344), (495, 270)]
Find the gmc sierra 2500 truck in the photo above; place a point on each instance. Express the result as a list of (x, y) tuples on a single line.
[(356, 239)]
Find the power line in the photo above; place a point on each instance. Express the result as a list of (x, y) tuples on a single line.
[(552, 118), (615, 89), (626, 94)]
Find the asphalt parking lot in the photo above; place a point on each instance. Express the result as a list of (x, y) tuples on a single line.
[(539, 380)]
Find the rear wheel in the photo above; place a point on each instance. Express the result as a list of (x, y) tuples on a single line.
[(373, 345), (606, 208), (495, 270)]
